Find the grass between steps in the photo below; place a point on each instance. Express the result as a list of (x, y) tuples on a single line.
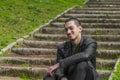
[(20, 17)]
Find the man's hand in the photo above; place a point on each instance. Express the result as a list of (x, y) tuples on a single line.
[(52, 68), (64, 78)]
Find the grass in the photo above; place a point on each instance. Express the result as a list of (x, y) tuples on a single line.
[(116, 75), (24, 77), (20, 17)]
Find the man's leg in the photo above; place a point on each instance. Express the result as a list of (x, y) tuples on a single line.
[(47, 77), (81, 72)]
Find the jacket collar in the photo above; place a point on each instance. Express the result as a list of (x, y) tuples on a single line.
[(69, 44)]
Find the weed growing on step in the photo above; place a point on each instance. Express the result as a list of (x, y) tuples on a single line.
[(24, 77), (98, 33)]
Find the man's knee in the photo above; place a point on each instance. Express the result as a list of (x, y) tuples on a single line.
[(82, 65)]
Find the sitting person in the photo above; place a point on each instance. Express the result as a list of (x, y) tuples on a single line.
[(76, 58)]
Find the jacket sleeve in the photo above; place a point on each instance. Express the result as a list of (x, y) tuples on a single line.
[(60, 55), (88, 53)]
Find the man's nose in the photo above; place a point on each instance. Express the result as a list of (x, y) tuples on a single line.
[(68, 31)]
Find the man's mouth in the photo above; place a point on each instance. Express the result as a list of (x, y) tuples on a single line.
[(69, 35)]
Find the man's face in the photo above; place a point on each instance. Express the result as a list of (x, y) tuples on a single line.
[(72, 30)]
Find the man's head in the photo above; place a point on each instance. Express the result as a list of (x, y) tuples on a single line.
[(73, 28)]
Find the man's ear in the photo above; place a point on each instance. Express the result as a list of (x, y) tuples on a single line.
[(80, 28)]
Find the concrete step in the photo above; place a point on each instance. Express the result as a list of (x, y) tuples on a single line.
[(92, 20), (9, 78), (93, 12), (54, 44), (37, 71), (42, 44), (90, 25), (34, 51), (105, 64), (109, 45), (117, 16), (106, 54), (104, 74), (28, 60), (86, 31), (104, 0), (100, 64), (98, 8), (60, 37), (103, 3)]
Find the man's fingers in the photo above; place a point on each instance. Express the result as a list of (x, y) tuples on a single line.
[(49, 72), (64, 78)]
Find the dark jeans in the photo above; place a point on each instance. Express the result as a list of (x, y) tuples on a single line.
[(81, 71)]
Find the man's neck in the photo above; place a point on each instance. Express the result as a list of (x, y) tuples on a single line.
[(77, 40)]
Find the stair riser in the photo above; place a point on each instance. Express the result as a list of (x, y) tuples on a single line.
[(34, 52), (104, 6), (104, 3), (54, 45), (104, 65), (98, 8), (63, 38), (92, 20), (30, 62), (87, 32), (28, 72), (89, 26), (104, 0), (93, 12), (100, 54), (35, 73), (91, 16), (108, 55), (42, 45), (49, 62)]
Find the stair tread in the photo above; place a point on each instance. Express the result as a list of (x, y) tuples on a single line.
[(104, 29), (62, 35), (62, 23), (58, 42), (46, 49), (41, 68), (45, 58), (9, 78)]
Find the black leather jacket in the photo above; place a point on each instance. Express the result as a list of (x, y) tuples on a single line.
[(86, 52)]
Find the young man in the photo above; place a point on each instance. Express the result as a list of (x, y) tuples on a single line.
[(76, 58)]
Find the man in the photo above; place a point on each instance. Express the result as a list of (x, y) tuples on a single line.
[(76, 58)]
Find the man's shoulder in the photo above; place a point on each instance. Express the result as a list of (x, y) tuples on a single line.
[(89, 40), (63, 44)]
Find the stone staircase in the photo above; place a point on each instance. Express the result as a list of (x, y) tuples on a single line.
[(101, 21)]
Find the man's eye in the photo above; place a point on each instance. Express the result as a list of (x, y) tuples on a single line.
[(71, 28), (66, 29)]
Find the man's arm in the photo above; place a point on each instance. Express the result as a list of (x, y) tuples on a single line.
[(60, 55), (87, 54), (55, 66)]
